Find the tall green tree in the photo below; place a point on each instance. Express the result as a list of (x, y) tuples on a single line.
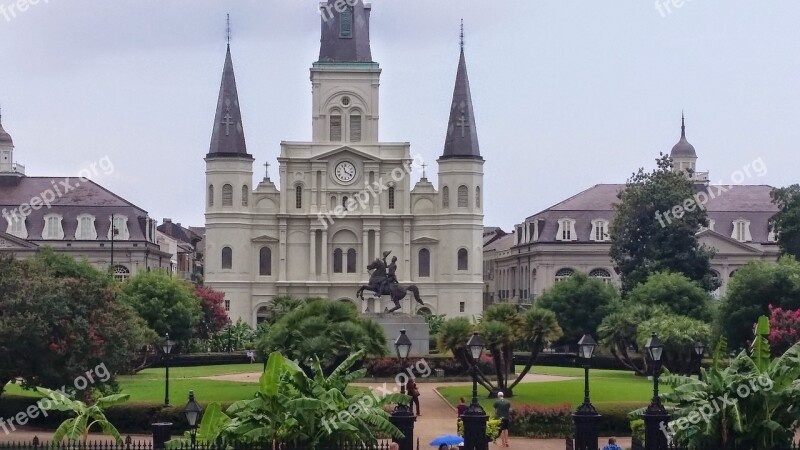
[(580, 303), (787, 221), (676, 293), (750, 293), (654, 229), (68, 312), (325, 329), (167, 304)]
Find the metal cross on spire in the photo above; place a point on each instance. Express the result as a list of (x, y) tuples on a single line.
[(424, 167), (267, 164), (228, 30), (462, 34)]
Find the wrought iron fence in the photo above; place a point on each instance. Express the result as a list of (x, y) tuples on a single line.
[(130, 444), (636, 445)]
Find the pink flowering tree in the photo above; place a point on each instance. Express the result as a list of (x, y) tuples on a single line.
[(784, 327)]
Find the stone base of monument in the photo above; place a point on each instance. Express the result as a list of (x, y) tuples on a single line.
[(416, 329)]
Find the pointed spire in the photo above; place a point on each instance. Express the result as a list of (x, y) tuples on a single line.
[(345, 32), (683, 149), (683, 126), (462, 135), (227, 139), (5, 138), (228, 30)]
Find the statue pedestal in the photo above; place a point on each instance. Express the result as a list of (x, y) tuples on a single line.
[(415, 326)]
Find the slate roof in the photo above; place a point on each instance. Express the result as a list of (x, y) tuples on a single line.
[(335, 48), (504, 243), (85, 197), (182, 234), (725, 205), (227, 137), (462, 135)]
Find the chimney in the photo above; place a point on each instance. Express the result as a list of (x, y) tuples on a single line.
[(167, 220)]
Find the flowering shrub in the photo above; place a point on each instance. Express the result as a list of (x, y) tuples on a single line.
[(492, 429), (784, 328), (537, 421)]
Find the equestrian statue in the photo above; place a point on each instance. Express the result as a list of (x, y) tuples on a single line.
[(383, 281)]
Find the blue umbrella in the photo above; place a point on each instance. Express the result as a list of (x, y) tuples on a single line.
[(447, 440)]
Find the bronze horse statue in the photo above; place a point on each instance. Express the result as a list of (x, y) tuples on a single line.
[(382, 283)]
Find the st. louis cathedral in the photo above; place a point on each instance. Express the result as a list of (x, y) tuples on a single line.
[(344, 198)]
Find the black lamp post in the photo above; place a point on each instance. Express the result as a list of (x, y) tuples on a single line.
[(699, 350), (193, 412), (475, 417), (167, 347), (586, 417), (655, 416), (402, 417)]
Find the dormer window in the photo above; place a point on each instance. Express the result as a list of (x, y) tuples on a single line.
[(773, 235), (600, 231), (566, 230), (710, 227), (16, 226), (86, 230), (52, 227), (119, 228), (533, 230), (741, 230)]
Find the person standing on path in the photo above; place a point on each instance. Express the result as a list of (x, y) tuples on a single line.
[(413, 391), (462, 406), (612, 445), (502, 410)]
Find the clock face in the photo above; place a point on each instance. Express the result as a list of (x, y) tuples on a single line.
[(345, 172)]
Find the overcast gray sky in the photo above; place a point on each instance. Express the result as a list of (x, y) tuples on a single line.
[(568, 94)]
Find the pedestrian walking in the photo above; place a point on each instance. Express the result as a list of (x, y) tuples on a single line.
[(462, 406), (612, 445), (413, 391), (502, 411)]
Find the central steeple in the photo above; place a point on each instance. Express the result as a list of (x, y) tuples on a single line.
[(345, 32), (462, 136)]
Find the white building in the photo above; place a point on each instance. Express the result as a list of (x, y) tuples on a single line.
[(314, 233)]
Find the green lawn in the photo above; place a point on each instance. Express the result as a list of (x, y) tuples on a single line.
[(200, 371), (606, 386)]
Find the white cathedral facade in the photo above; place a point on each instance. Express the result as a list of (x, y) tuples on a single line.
[(344, 197)]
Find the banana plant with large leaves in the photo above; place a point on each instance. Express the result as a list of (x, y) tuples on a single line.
[(291, 407), (749, 403), (76, 429)]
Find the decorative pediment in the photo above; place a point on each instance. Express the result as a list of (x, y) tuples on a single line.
[(13, 243), (264, 239), (425, 240), (345, 149), (725, 245)]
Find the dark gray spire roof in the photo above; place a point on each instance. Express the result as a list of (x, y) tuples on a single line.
[(227, 139), (345, 33), (683, 149), (5, 138), (462, 135)]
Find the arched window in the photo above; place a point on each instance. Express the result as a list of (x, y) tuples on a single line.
[(121, 273), (298, 197), (245, 195), (336, 127), (333, 202), (601, 274), (424, 311), (463, 259), (227, 195), (351, 261), (478, 197), (563, 274), (463, 196), (391, 197), (424, 263), (210, 195), (337, 261), (355, 126), (717, 294), (344, 203), (445, 197), (265, 262), (227, 258), (262, 315)]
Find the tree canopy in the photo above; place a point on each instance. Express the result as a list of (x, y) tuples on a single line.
[(580, 303), (654, 229), (675, 292), (787, 221)]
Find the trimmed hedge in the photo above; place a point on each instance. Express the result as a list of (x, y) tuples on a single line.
[(555, 421), (390, 367), (129, 417), (599, 361), (203, 359)]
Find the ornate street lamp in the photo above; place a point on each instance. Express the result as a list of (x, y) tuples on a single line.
[(193, 412), (167, 347), (402, 417), (586, 417), (699, 350), (655, 416), (475, 417)]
